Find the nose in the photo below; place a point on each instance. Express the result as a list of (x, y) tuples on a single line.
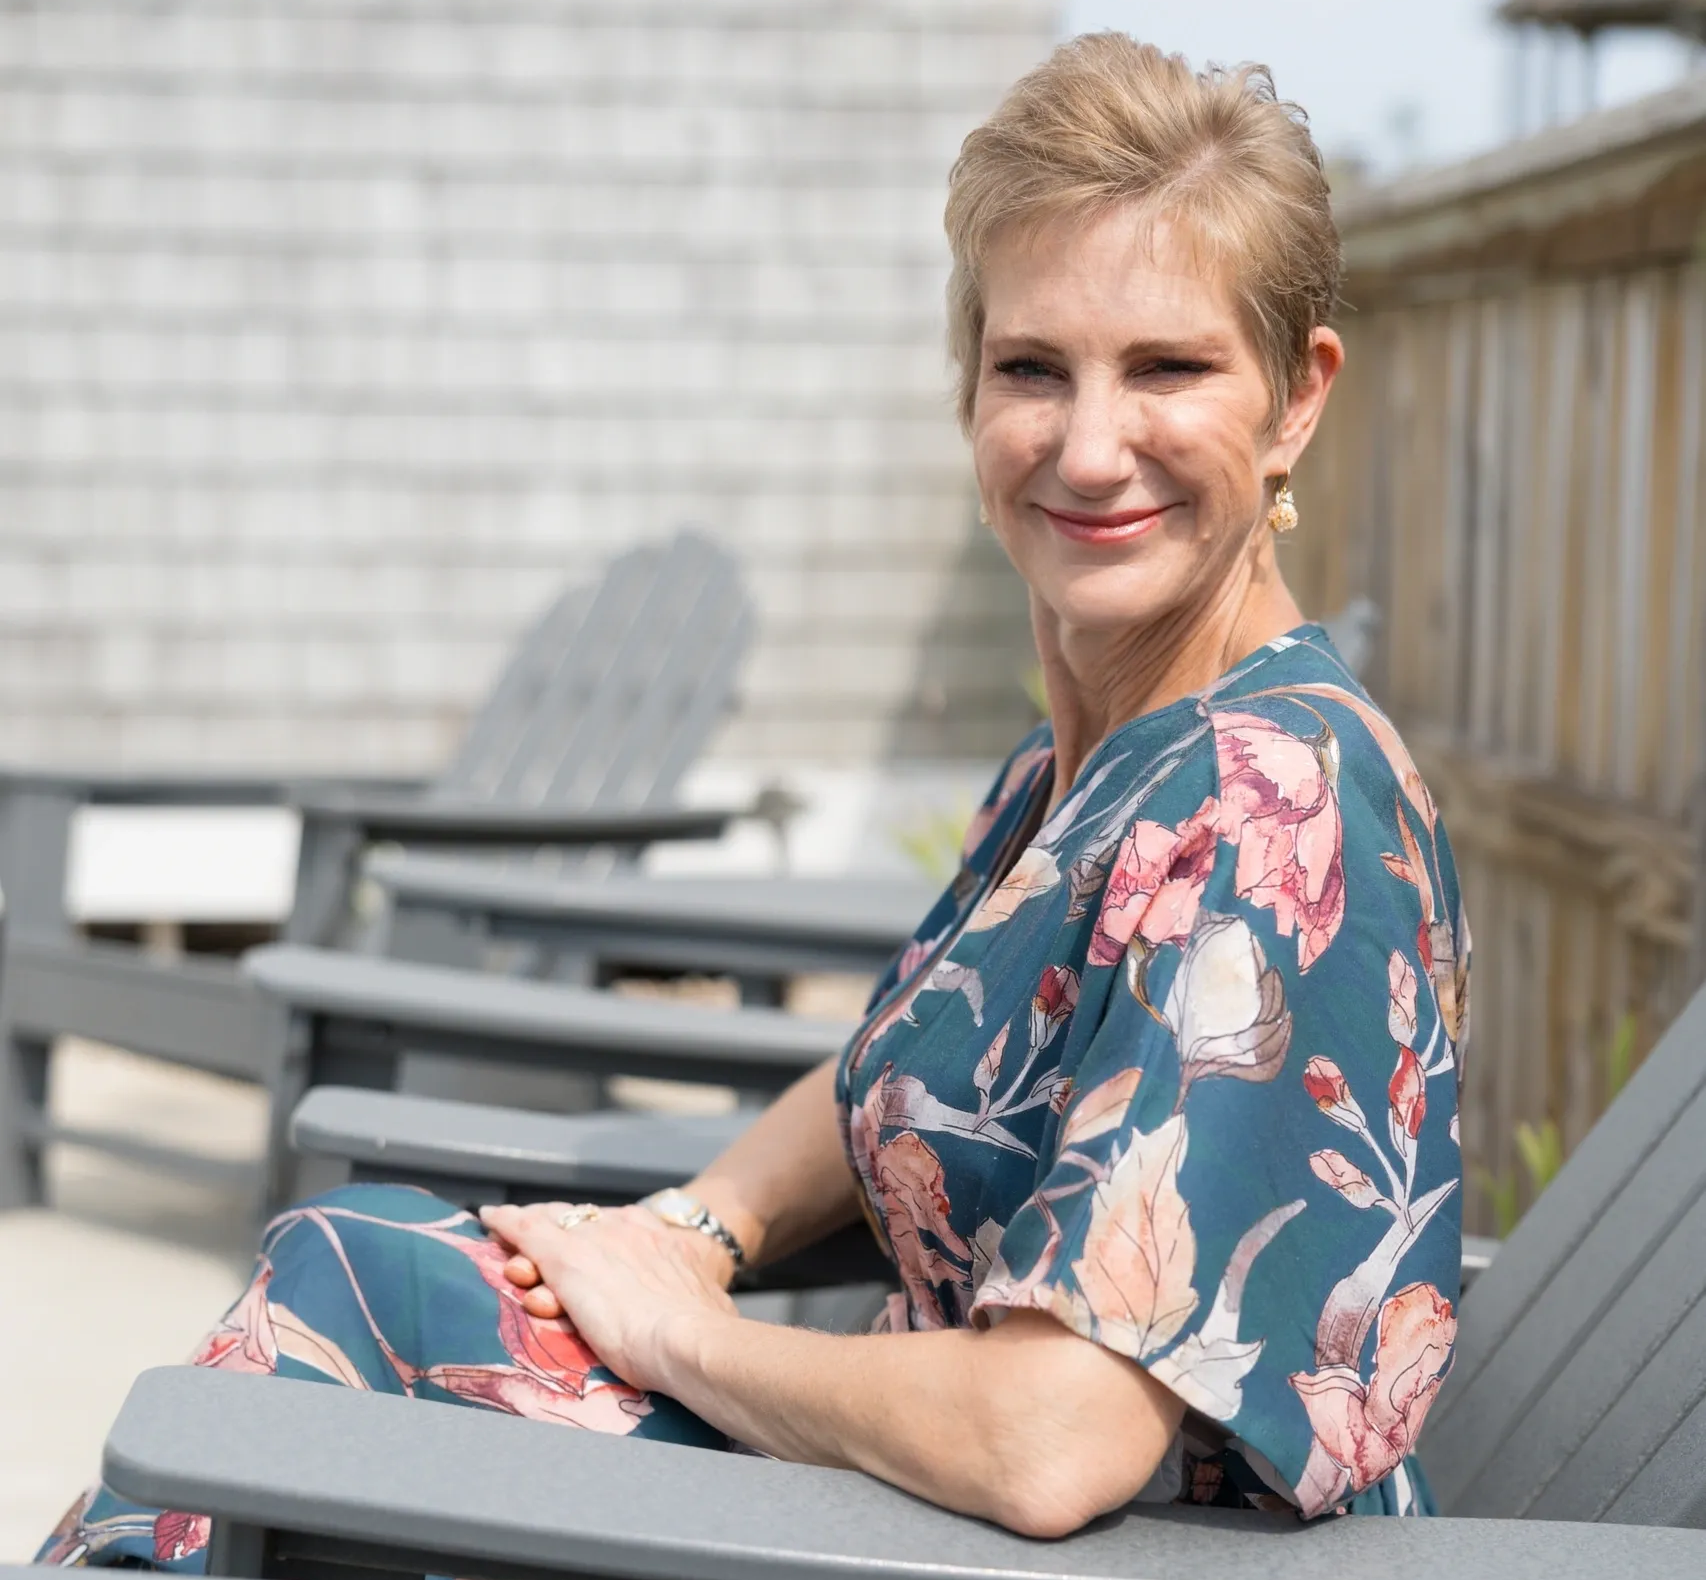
[(1097, 455)]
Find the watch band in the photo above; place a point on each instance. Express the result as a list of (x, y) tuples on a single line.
[(677, 1207)]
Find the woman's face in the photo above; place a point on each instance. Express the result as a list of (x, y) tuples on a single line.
[(1122, 428)]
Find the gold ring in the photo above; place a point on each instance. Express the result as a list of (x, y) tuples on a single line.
[(574, 1217)]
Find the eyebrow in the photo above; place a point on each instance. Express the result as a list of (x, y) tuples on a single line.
[(1136, 350)]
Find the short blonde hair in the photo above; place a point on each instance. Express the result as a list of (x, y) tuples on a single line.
[(1107, 121)]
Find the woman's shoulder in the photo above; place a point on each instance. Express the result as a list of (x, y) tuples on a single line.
[(1302, 712), (1290, 722), (1328, 815), (1282, 789)]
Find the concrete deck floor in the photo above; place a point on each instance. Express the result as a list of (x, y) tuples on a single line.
[(126, 1270)]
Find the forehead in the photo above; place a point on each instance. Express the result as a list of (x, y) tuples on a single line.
[(1134, 272)]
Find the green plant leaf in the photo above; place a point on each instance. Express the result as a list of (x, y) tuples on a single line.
[(1500, 1191), (933, 842), (1620, 1056), (1542, 1153)]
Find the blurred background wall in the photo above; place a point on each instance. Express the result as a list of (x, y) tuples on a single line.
[(336, 334)]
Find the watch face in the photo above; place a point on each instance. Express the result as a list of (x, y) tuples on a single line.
[(675, 1206)]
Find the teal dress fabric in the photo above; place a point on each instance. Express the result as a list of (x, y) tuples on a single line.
[(1173, 1062), (390, 1289), (1186, 1079)]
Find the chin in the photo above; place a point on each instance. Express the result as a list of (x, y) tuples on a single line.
[(1111, 598)]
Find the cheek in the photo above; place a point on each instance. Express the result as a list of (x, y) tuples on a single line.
[(1210, 446), (1009, 442)]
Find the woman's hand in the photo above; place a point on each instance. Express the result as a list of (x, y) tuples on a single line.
[(631, 1284)]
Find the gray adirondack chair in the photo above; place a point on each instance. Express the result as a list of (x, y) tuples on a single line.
[(582, 742), (1569, 1440)]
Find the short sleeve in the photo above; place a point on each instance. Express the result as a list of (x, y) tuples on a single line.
[(1251, 1188)]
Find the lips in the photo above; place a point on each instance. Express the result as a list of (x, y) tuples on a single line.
[(1120, 526)]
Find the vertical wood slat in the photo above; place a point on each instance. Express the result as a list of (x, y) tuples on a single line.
[(1459, 471), (1655, 606), (1682, 765), (1560, 331), (1598, 492), (1633, 464), (1487, 523)]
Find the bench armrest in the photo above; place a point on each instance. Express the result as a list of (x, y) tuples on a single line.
[(473, 1154), (473, 1013), (442, 1489), (874, 917), (1478, 1253), (435, 820), (610, 1156), (104, 787)]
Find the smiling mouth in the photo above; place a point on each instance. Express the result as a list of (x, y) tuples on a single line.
[(1119, 527)]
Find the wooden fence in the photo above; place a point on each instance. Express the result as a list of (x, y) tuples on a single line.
[(1513, 469)]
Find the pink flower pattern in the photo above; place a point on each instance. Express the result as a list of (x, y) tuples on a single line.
[(1280, 807), (1367, 1427)]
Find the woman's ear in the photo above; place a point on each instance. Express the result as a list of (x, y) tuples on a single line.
[(1308, 400)]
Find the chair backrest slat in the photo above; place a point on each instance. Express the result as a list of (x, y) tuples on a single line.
[(690, 639), (600, 668), (616, 689), (1658, 1394), (500, 727), (1587, 1308), (1668, 1489)]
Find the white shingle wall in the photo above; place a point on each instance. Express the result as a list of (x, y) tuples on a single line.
[(335, 334)]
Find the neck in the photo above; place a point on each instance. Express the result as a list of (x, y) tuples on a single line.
[(1100, 678)]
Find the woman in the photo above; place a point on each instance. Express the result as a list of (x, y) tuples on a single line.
[(1156, 1115)]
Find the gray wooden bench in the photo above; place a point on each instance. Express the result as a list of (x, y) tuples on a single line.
[(307, 1481), (582, 741)]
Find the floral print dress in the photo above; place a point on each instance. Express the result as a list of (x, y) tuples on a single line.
[(1173, 1062), (1186, 1079)]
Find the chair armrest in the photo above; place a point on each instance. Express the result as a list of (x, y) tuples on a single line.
[(435, 820), (444, 1489), (472, 1153), (150, 788), (872, 916), (612, 1156), (474, 1013), (1478, 1253)]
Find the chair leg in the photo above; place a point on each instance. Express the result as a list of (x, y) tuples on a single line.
[(23, 1116), (300, 1061), (761, 992)]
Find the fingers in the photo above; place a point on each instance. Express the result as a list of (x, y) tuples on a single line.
[(521, 1271), (540, 1302)]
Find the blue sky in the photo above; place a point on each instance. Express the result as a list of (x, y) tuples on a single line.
[(1399, 82)]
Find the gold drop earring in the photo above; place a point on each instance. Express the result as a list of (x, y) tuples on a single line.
[(1282, 514)]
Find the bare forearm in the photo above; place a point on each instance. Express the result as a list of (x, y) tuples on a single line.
[(1027, 1425), (785, 1183)]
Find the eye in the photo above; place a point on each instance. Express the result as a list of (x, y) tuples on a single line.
[(1172, 368), (1027, 370)]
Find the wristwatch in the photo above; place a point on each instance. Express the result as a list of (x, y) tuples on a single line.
[(688, 1212)]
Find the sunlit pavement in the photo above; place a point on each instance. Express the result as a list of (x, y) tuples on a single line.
[(126, 1270)]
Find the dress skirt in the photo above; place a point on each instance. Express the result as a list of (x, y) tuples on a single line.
[(391, 1289)]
